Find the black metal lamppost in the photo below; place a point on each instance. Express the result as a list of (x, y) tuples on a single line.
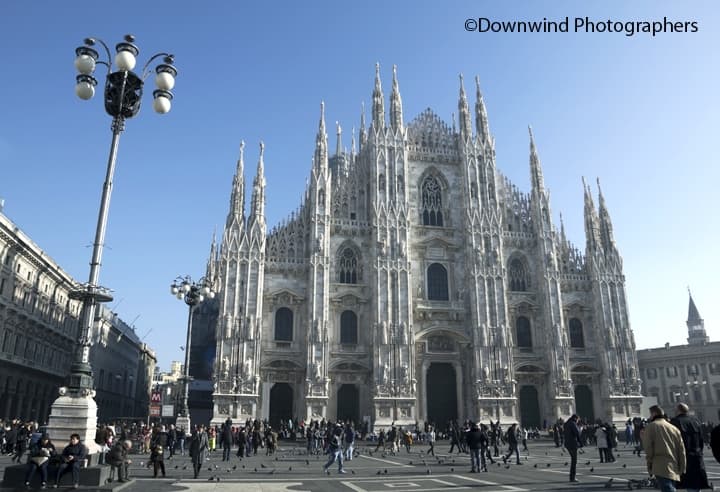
[(193, 293), (123, 94)]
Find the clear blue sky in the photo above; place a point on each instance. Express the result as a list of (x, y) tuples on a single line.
[(639, 112)]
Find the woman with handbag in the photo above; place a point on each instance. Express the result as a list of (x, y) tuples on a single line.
[(40, 454)]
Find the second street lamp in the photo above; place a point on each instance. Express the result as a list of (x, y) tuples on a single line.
[(193, 293)]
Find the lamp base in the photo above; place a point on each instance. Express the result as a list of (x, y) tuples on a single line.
[(71, 414), (184, 423)]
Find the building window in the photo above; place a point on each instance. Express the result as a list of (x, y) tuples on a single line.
[(652, 373), (348, 267), (518, 274), (692, 369), (284, 325), (437, 281), (671, 371), (348, 328), (713, 367), (577, 339), (431, 202), (523, 334)]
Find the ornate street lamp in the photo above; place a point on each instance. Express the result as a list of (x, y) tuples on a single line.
[(75, 410), (193, 293)]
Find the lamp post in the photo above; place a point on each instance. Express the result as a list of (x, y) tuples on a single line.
[(75, 410), (193, 293)]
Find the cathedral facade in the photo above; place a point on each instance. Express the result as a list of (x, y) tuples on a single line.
[(414, 282)]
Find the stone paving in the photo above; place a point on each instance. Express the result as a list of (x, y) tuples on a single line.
[(544, 467)]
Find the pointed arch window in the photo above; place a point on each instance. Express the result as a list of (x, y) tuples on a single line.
[(348, 328), (518, 276), (577, 338), (523, 334), (437, 283), (348, 268), (431, 192), (283, 325)]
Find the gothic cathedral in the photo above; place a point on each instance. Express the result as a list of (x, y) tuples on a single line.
[(416, 283)]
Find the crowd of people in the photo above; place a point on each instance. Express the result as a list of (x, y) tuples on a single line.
[(673, 447)]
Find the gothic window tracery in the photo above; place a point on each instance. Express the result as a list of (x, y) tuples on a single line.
[(348, 267), (283, 325), (577, 338), (437, 283), (431, 191), (518, 275), (523, 334), (348, 328)]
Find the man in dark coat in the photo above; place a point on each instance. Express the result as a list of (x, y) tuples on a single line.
[(571, 438), (118, 460), (158, 446), (695, 476), (476, 441), (715, 442), (226, 439), (72, 458)]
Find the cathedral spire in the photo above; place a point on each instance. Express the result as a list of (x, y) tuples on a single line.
[(606, 228), (352, 142), (378, 102), (212, 259), (695, 324), (563, 237), (321, 141), (237, 195), (338, 145), (257, 211), (396, 116), (536, 175), (592, 234), (481, 118), (464, 112), (363, 135)]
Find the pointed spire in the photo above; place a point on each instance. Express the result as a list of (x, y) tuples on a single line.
[(257, 212), (338, 145), (378, 104), (464, 112), (210, 269), (237, 195), (481, 119), (693, 313), (563, 238), (606, 227), (396, 116), (352, 142), (592, 233), (536, 175), (321, 141)]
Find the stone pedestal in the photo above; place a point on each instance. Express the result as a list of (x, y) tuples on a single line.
[(502, 408), (184, 423), (71, 414)]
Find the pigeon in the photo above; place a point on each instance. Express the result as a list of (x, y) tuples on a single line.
[(185, 467), (290, 468), (176, 466), (272, 472), (352, 471), (507, 467), (234, 467), (624, 465), (216, 467), (548, 465), (262, 466), (209, 468), (592, 469), (428, 471), (307, 463), (608, 484), (452, 469), (410, 463), (276, 458), (255, 469), (535, 465), (587, 462), (378, 472), (385, 471), (566, 463), (211, 479)]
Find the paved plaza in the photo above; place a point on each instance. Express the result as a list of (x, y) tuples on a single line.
[(545, 467)]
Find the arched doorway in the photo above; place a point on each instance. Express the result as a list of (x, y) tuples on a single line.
[(281, 404), (529, 407), (584, 407), (348, 403), (440, 384)]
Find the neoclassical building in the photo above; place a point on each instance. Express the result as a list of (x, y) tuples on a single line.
[(415, 282), (38, 338)]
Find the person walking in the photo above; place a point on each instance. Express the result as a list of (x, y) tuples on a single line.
[(431, 440), (172, 441), (572, 441), (198, 449), (512, 440), (335, 450), (601, 439), (349, 438), (476, 442), (695, 476), (664, 450), (226, 439)]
